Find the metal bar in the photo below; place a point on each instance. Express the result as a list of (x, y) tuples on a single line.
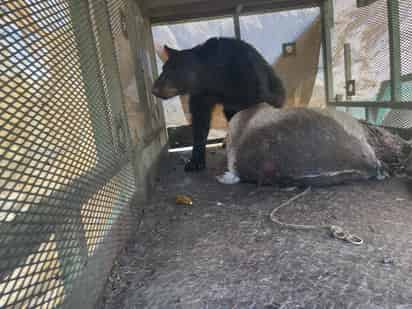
[(217, 9), (135, 36), (363, 3), (82, 27), (112, 75), (395, 49), (393, 105), (157, 102), (348, 67), (327, 25), (236, 21), (371, 113)]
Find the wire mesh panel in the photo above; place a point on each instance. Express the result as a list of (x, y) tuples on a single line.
[(372, 58), (121, 21), (402, 89), (65, 180), (360, 50), (405, 23), (117, 13), (109, 70)]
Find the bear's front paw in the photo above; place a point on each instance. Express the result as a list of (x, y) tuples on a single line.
[(195, 166)]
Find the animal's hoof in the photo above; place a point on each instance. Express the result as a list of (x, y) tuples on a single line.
[(193, 166), (228, 178)]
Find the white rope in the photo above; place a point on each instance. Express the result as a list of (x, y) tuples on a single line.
[(336, 231)]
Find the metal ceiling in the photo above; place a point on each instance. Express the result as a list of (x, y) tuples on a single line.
[(169, 11)]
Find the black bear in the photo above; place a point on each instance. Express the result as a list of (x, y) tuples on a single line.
[(224, 70)]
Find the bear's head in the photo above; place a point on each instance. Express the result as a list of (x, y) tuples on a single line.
[(179, 75)]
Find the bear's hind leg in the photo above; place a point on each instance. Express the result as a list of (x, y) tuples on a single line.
[(201, 110)]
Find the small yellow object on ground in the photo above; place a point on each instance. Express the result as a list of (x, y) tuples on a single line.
[(184, 200)]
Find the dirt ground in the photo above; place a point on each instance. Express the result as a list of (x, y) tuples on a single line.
[(224, 252)]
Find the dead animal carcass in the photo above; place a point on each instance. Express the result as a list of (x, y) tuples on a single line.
[(308, 147)]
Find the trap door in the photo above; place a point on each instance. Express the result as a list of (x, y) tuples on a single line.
[(290, 41)]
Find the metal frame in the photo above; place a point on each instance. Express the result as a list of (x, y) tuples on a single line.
[(59, 212), (327, 25), (249, 7), (389, 104), (395, 49), (348, 72), (327, 11), (395, 65), (236, 21), (236, 13), (103, 33)]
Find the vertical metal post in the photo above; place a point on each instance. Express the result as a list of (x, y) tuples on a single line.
[(236, 21), (89, 65), (348, 66), (77, 255), (155, 74), (327, 25), (395, 49), (110, 65), (133, 20)]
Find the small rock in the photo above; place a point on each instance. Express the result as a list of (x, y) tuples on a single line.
[(388, 260)]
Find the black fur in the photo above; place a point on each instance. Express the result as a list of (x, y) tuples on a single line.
[(223, 70)]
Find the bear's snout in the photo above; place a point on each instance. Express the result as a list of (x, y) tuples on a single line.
[(156, 90)]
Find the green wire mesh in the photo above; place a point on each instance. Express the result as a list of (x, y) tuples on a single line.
[(367, 31), (405, 13), (65, 180)]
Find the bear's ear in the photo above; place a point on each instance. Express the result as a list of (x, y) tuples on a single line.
[(170, 51), (161, 52)]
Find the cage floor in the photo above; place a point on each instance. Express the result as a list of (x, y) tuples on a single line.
[(224, 252)]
